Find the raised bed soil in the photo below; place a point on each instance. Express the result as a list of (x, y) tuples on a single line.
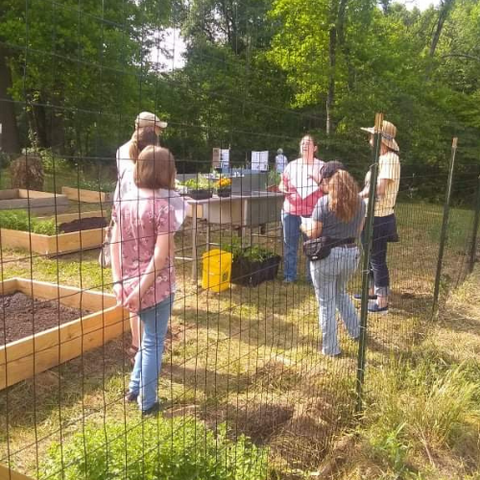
[(83, 224), (22, 316)]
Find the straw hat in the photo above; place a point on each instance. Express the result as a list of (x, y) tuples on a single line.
[(148, 119), (389, 132)]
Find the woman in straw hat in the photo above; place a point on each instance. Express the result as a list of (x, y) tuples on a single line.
[(384, 222), (148, 128)]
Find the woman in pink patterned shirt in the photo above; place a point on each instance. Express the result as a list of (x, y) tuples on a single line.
[(143, 268)]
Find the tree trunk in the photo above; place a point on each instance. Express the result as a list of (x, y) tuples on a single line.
[(331, 84), (9, 137), (336, 38), (38, 123), (445, 8)]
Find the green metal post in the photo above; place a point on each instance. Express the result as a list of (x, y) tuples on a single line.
[(377, 140), (476, 221), (443, 234)]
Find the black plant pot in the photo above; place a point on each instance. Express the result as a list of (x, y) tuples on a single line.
[(246, 272), (224, 192), (200, 194)]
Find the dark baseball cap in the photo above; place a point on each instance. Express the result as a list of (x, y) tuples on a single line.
[(331, 168)]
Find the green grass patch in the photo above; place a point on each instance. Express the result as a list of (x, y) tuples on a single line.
[(177, 449)]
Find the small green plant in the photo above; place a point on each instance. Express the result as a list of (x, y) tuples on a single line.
[(274, 177), (257, 253), (176, 449), (392, 447), (254, 253), (20, 220), (198, 183), (97, 185), (234, 246)]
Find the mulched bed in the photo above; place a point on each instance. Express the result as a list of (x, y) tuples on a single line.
[(82, 224), (17, 321)]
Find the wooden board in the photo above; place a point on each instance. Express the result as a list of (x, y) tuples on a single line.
[(56, 244), (87, 196), (8, 474), (34, 354), (38, 203)]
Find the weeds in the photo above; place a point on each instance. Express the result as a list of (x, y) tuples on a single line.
[(174, 449)]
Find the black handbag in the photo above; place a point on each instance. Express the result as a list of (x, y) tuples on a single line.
[(317, 248)]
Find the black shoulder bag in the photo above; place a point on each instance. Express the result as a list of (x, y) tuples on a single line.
[(317, 248)]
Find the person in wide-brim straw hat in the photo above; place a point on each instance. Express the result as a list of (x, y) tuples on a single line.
[(389, 132), (384, 222)]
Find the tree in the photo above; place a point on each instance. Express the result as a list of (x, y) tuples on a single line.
[(79, 68)]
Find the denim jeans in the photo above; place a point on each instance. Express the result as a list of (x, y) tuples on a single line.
[(291, 235), (148, 360), (384, 228), (330, 277)]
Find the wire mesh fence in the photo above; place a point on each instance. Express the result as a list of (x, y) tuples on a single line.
[(244, 390)]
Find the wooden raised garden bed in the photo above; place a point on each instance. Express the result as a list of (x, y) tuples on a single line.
[(87, 196), (78, 234), (24, 357), (7, 474), (38, 203)]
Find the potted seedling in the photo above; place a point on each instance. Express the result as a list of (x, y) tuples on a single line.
[(252, 265), (223, 186), (273, 181), (198, 188)]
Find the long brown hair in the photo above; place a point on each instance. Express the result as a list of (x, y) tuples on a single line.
[(343, 194), (155, 168), (141, 138)]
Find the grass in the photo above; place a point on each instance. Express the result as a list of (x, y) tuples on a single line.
[(249, 358), (423, 415)]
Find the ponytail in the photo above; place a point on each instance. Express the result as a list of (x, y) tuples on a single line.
[(141, 138), (343, 195), (134, 150)]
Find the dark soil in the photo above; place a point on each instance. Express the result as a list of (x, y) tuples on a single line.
[(21, 316), (82, 224)]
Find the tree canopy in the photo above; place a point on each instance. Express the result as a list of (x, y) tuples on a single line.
[(257, 75)]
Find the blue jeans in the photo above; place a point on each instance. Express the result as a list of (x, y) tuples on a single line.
[(148, 360), (384, 230), (291, 235), (330, 277)]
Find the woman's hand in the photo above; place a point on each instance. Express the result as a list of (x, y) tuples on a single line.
[(132, 302), (307, 230), (119, 293)]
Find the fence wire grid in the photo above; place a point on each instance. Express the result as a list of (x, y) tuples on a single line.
[(244, 391)]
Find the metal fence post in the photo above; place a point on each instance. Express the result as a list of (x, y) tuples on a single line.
[(476, 221), (443, 234), (377, 138)]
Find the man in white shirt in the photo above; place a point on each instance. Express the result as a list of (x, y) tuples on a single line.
[(281, 161)]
